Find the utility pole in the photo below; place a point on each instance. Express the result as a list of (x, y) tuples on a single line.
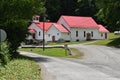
[(44, 20), (44, 32)]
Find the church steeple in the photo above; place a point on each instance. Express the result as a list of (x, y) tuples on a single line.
[(35, 18)]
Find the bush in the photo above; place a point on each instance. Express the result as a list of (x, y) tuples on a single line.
[(20, 69), (4, 54)]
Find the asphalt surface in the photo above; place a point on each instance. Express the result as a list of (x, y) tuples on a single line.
[(98, 63)]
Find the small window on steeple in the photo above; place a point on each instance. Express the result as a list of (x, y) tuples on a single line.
[(35, 18)]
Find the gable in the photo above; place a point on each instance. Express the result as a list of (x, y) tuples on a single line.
[(34, 26), (46, 25)]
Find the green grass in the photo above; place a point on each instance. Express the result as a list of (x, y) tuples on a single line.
[(55, 52), (113, 40), (20, 69), (63, 43)]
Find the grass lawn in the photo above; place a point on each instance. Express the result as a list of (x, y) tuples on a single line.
[(55, 52), (113, 40), (20, 69), (63, 43)]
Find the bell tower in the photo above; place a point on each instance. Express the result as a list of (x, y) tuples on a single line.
[(35, 18)]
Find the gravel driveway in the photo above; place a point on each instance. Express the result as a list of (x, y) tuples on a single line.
[(98, 63)]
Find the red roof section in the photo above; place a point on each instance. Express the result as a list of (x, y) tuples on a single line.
[(32, 31), (60, 27), (102, 28), (46, 25), (80, 22)]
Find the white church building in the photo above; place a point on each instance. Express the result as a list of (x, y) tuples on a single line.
[(67, 28)]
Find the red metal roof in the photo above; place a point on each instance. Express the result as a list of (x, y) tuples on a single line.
[(80, 22), (60, 27), (102, 28), (46, 25), (32, 31)]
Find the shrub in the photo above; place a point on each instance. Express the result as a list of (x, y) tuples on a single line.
[(4, 54)]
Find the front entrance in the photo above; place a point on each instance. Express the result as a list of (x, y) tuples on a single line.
[(105, 35), (33, 35), (53, 38), (88, 36)]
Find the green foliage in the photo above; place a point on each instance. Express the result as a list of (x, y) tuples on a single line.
[(4, 54), (14, 18), (115, 42), (20, 69), (53, 11), (70, 7), (109, 13), (86, 8), (16, 35)]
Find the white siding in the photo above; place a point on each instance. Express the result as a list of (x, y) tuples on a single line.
[(37, 29), (53, 32), (65, 36), (103, 35), (81, 33)]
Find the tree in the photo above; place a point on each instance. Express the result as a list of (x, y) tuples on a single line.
[(53, 9), (68, 7), (109, 12), (58, 8), (86, 8), (14, 17)]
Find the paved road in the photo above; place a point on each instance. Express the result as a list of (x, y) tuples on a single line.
[(98, 63), (101, 58)]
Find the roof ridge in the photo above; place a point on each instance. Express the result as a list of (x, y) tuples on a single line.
[(74, 16)]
